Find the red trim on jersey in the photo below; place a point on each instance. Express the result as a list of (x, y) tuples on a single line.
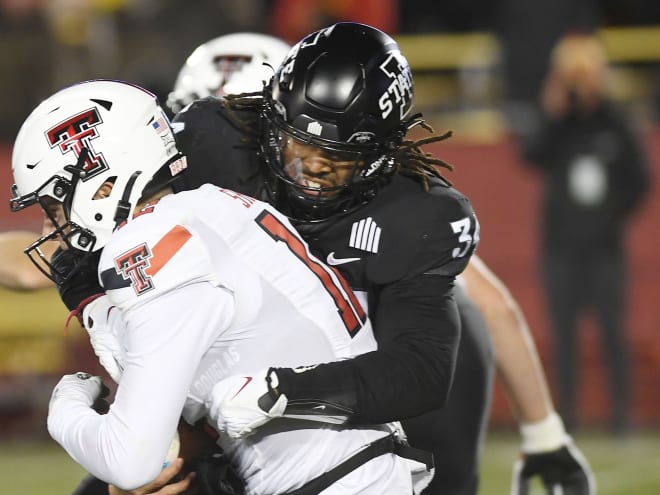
[(167, 247), (348, 307)]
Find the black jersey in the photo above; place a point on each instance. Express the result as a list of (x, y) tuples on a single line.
[(402, 250), (217, 147), (403, 232)]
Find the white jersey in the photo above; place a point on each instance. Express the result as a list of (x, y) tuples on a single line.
[(210, 283)]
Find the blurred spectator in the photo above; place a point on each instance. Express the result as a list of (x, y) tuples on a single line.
[(85, 39), (25, 62), (630, 12), (526, 46), (158, 34), (595, 175), (430, 16), (294, 19), (49, 44)]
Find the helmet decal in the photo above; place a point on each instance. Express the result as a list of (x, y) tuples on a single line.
[(400, 91), (361, 137), (76, 133), (163, 130), (132, 266), (315, 128)]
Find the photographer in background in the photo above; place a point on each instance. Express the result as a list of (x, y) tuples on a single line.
[(595, 175)]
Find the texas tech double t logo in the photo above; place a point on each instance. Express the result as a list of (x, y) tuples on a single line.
[(75, 133), (132, 265)]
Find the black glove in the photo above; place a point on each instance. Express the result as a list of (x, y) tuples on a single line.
[(101, 405), (75, 274), (216, 476), (565, 467)]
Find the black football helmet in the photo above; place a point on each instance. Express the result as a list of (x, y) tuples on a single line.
[(348, 90)]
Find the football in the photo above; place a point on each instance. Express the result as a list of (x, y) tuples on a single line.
[(173, 451)]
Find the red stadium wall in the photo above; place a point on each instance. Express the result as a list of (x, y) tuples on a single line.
[(506, 197)]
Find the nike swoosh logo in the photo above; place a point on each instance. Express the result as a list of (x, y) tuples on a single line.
[(339, 261), (30, 166), (248, 379)]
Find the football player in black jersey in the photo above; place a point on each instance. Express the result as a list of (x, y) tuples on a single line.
[(377, 227), (382, 214)]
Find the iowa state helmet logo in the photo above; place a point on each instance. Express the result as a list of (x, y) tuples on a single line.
[(399, 92), (76, 133)]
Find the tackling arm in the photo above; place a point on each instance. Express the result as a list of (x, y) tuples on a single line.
[(417, 327), (410, 373)]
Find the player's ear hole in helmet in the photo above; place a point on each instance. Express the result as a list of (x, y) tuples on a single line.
[(82, 138)]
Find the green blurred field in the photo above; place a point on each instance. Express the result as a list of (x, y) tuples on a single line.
[(623, 467)]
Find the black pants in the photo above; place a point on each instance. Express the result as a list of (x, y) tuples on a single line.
[(455, 434), (91, 486), (576, 282)]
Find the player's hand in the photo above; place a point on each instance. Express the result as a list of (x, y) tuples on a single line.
[(79, 387), (76, 276), (241, 403), (103, 340), (549, 452), (72, 394), (163, 484)]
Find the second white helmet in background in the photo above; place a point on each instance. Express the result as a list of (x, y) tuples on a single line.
[(230, 64)]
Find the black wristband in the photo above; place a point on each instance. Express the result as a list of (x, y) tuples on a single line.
[(314, 390)]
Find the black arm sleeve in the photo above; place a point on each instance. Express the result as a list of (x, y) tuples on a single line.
[(417, 328)]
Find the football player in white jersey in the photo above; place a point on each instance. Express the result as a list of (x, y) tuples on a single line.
[(204, 284)]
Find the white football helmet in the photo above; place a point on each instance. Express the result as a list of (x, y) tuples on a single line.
[(83, 136), (231, 64)]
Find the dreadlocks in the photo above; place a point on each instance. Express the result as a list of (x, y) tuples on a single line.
[(413, 162), (244, 101)]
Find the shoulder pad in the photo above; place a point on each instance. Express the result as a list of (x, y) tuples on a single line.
[(218, 146), (421, 232), (150, 256)]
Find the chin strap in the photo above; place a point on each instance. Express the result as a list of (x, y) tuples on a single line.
[(124, 206), (77, 172)]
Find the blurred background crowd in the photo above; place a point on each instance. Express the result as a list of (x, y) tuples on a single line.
[(496, 51), (489, 70)]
